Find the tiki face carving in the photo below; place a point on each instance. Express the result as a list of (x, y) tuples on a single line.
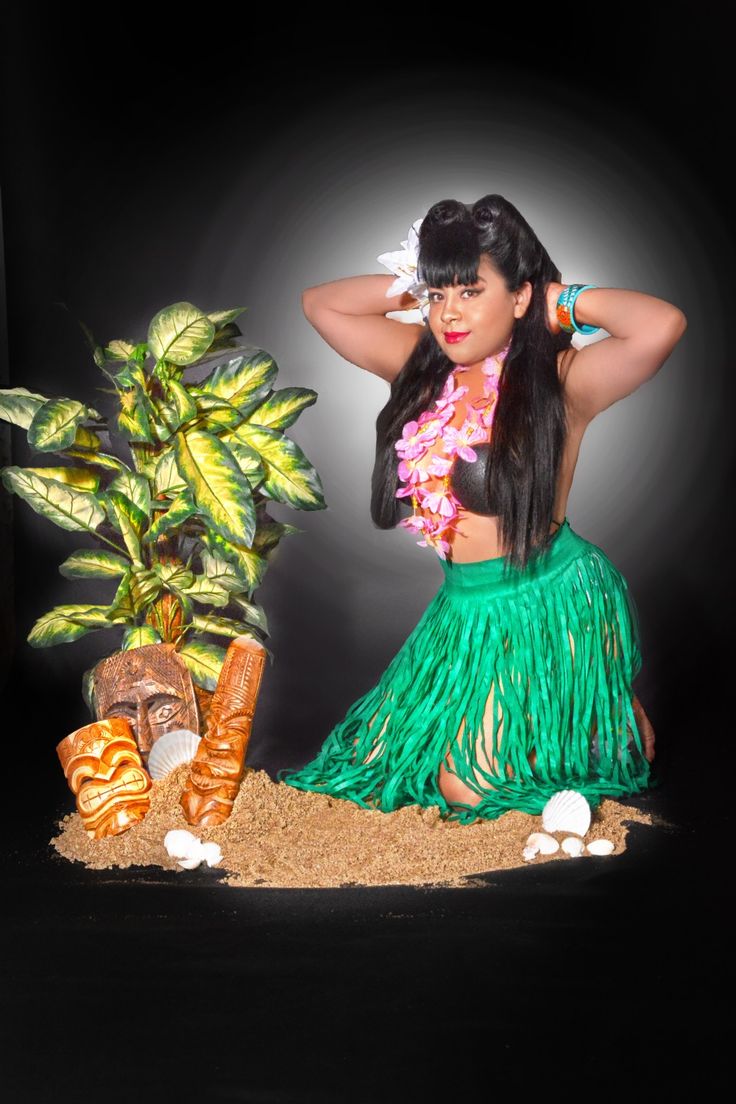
[(104, 769), (151, 688)]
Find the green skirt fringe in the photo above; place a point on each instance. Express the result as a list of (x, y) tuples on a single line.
[(559, 646)]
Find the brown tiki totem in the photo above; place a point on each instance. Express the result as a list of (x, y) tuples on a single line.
[(104, 770), (217, 768)]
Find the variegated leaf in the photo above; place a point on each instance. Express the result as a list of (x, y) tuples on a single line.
[(128, 519), (249, 565), (186, 407), (180, 509), (221, 626), (219, 488), (58, 502), (138, 637), (289, 476), (93, 563), (180, 334), (18, 405), (174, 575), (167, 479), (204, 661), (222, 572), (281, 408), (63, 624), (80, 478), (99, 459), (136, 489), (207, 592), (54, 425), (254, 615), (242, 379)]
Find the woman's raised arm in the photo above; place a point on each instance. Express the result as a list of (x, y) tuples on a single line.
[(350, 315)]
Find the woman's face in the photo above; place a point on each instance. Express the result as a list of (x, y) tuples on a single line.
[(485, 310)]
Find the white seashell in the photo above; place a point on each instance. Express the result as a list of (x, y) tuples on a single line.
[(171, 750), (546, 844), (566, 811), (600, 847), (179, 843), (192, 863), (529, 852), (211, 853), (572, 845)]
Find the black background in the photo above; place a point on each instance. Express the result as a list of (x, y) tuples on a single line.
[(599, 979)]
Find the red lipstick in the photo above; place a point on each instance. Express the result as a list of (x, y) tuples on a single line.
[(454, 336)]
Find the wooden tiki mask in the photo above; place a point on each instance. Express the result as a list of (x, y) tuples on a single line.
[(151, 688)]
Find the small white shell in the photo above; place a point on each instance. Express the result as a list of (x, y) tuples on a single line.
[(600, 847), (566, 811), (572, 845), (546, 844), (171, 750), (529, 853), (211, 853), (191, 863), (179, 843)]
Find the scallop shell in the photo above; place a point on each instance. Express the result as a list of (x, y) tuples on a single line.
[(171, 750), (566, 811), (547, 845), (572, 845), (600, 847)]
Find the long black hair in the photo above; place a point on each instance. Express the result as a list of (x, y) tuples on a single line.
[(529, 425)]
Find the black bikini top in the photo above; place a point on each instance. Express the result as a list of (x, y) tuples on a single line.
[(468, 481)]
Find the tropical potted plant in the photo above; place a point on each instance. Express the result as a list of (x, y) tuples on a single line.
[(182, 524)]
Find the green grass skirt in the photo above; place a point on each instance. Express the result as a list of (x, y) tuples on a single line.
[(502, 663)]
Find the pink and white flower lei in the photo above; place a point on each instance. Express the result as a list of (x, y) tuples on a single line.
[(416, 440)]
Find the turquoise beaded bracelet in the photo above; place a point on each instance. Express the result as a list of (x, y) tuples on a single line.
[(566, 309)]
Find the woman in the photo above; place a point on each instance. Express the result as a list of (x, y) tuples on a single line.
[(517, 680)]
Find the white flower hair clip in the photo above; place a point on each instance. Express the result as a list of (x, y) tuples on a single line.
[(404, 262)]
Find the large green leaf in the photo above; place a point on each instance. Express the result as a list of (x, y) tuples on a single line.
[(138, 636), (222, 573), (136, 489), (66, 623), (204, 661), (221, 626), (289, 477), (19, 405), (167, 479), (242, 379), (281, 408), (180, 334), (215, 412), (249, 461), (93, 563), (98, 459), (254, 615), (174, 575), (207, 592), (80, 478), (54, 425), (132, 419), (58, 502), (183, 402), (248, 564), (223, 318), (128, 519), (180, 509), (219, 488)]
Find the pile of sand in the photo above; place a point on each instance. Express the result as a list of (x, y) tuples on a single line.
[(280, 836)]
